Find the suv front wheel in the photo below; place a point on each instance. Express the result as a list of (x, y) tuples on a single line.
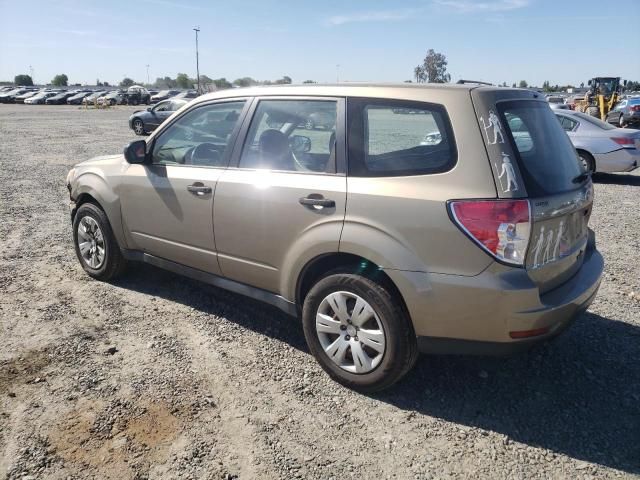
[(358, 332), (95, 244)]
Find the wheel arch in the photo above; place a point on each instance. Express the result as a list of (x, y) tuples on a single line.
[(92, 188), (319, 266), (590, 157)]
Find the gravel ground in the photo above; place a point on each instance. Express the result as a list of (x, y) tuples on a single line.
[(155, 376)]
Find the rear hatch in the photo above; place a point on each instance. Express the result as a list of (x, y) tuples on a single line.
[(532, 158)]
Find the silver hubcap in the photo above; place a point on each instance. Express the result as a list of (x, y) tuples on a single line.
[(350, 332), (137, 126), (91, 242)]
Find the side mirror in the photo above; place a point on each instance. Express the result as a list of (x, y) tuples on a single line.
[(136, 152), (300, 144), (589, 82), (149, 109)]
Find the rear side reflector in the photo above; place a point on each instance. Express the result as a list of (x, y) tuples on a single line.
[(529, 333), (501, 227)]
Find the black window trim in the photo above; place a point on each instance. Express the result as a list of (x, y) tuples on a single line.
[(340, 132), (232, 138), (355, 147)]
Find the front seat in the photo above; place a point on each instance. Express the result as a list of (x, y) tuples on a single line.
[(275, 153)]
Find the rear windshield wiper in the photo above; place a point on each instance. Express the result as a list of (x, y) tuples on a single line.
[(582, 177)]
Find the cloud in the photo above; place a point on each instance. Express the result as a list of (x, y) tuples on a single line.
[(377, 16), (79, 33), (169, 3), (470, 6)]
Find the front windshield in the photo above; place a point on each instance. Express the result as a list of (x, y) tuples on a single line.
[(608, 85)]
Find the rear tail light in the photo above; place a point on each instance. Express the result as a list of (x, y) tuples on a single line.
[(635, 108), (501, 227), (626, 142)]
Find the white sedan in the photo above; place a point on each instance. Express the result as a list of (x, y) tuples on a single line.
[(601, 146)]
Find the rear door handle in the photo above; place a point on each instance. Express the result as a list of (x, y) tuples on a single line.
[(317, 201), (198, 189)]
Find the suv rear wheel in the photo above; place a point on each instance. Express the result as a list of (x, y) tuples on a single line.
[(95, 244), (358, 332)]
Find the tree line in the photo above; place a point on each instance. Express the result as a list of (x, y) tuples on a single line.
[(182, 81), (433, 69)]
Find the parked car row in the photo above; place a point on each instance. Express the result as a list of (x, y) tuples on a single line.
[(626, 113), (134, 95)]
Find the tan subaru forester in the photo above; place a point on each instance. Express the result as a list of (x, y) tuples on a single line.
[(392, 219)]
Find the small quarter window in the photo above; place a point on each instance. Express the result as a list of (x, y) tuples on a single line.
[(392, 138)]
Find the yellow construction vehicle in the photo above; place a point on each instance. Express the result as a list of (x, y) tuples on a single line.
[(603, 94)]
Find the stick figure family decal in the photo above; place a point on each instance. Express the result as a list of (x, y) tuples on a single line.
[(545, 247)]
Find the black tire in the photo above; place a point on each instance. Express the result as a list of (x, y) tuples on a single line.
[(114, 262), (621, 122), (401, 351), (138, 126), (587, 158), (593, 111)]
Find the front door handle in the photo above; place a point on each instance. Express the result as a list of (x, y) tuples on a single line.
[(199, 189), (315, 200)]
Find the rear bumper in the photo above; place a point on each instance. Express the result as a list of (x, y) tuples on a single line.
[(475, 315), (622, 160)]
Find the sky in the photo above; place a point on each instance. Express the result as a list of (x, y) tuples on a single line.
[(563, 41)]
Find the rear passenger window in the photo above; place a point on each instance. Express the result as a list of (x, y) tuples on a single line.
[(392, 138)]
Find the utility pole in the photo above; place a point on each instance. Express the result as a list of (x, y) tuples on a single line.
[(31, 72), (147, 74), (197, 29), (338, 73)]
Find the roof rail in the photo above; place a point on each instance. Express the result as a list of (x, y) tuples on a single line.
[(464, 82)]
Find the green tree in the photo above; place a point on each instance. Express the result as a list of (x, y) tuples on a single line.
[(60, 80), (545, 85), (435, 67), (523, 84), (514, 85), (127, 82), (166, 82), (23, 80), (245, 82), (309, 81), (419, 74), (183, 81), (222, 83), (283, 81)]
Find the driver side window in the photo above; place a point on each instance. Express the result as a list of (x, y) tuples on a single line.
[(162, 107), (200, 137), (292, 135)]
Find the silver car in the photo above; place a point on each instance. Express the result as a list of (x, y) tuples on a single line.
[(601, 146), (458, 227)]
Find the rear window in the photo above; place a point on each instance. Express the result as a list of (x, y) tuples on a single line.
[(393, 138), (548, 162), (594, 121)]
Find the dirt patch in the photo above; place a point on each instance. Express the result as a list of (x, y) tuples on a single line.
[(119, 439), (27, 368)]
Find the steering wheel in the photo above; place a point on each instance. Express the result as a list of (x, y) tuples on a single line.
[(203, 154), (299, 166)]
